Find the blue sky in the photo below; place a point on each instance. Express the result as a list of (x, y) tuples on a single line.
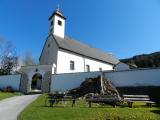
[(122, 27)]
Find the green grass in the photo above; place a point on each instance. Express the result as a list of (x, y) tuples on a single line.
[(4, 95), (37, 111)]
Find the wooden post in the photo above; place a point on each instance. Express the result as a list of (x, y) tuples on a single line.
[(73, 102), (102, 89), (89, 104)]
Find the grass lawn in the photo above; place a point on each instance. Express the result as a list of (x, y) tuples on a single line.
[(37, 111), (4, 95)]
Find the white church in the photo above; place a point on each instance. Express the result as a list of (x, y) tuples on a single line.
[(68, 55), (62, 55), (65, 63)]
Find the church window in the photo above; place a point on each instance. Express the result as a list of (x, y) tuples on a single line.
[(71, 65), (88, 68), (48, 45), (59, 22)]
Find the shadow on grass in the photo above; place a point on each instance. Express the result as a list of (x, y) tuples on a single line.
[(56, 106), (109, 107), (156, 111), (61, 106), (99, 106), (96, 107)]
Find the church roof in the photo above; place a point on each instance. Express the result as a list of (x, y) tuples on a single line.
[(72, 45), (59, 13)]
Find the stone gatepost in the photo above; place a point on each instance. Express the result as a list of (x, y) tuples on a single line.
[(24, 83), (27, 73), (46, 82)]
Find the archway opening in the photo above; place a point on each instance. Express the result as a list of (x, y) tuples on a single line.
[(36, 83)]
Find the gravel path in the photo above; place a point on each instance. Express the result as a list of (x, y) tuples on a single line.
[(11, 107)]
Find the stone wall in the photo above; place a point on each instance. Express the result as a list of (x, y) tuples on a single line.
[(24, 84), (10, 80), (46, 82)]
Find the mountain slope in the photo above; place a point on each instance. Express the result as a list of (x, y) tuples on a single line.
[(144, 60)]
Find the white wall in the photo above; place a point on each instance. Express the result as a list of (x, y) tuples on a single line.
[(95, 65), (10, 80), (64, 58), (127, 78), (63, 62), (144, 77), (63, 82)]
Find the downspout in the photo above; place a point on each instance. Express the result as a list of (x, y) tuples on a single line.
[(84, 63)]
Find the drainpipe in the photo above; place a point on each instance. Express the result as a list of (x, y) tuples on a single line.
[(54, 68), (84, 64)]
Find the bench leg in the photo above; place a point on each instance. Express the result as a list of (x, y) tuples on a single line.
[(56, 101), (89, 104), (130, 104), (114, 104), (51, 103), (63, 103), (45, 101), (149, 105), (73, 103)]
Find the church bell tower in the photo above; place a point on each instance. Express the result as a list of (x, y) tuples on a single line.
[(57, 23)]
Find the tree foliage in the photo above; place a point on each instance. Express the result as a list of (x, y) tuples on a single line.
[(28, 59), (8, 58)]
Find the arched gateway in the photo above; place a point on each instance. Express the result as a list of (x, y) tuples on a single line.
[(36, 83), (35, 78)]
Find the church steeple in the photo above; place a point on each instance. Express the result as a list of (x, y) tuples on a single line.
[(57, 23)]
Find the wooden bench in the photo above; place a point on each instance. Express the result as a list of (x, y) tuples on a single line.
[(106, 99), (130, 99), (56, 98)]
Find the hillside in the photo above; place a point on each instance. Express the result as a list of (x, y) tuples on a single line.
[(144, 60)]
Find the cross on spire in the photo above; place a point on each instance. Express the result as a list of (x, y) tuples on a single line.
[(58, 8)]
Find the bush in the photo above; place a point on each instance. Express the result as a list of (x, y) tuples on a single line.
[(8, 89)]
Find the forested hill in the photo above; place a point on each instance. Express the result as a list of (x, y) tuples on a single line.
[(144, 60)]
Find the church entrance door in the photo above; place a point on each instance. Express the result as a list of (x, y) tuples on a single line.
[(36, 84)]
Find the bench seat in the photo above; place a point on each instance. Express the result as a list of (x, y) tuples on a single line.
[(130, 99), (64, 99)]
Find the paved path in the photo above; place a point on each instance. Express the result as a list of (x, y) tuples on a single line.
[(11, 107)]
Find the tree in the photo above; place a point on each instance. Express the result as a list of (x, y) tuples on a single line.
[(28, 59), (8, 58)]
